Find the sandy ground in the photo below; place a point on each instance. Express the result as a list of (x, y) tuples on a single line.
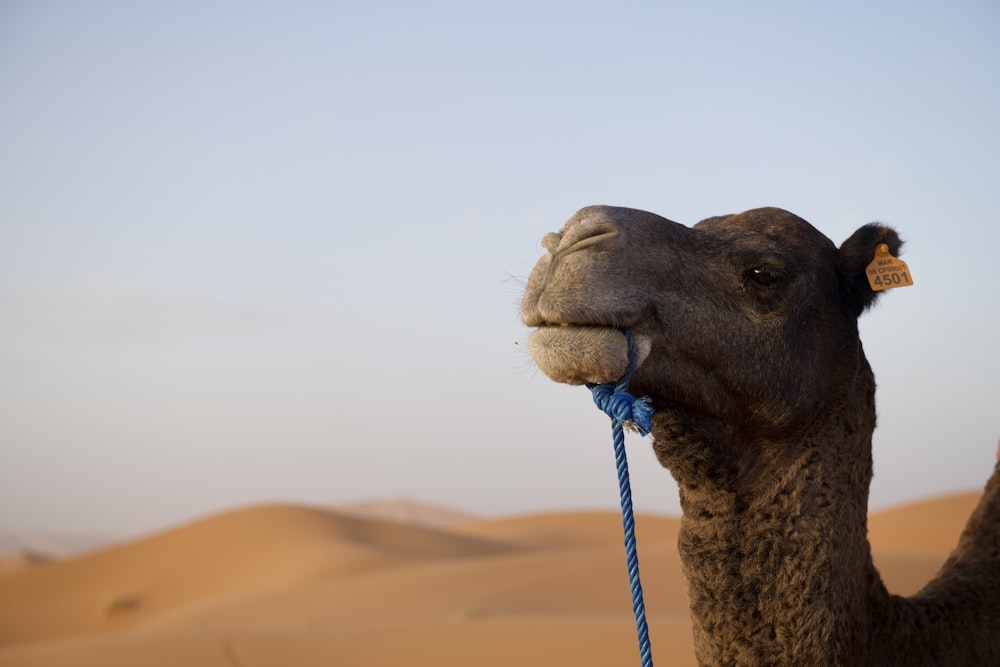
[(279, 586)]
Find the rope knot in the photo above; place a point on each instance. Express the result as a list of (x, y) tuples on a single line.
[(613, 398), (633, 413)]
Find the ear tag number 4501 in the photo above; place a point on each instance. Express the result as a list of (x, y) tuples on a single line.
[(886, 271)]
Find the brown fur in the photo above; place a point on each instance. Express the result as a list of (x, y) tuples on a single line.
[(765, 407)]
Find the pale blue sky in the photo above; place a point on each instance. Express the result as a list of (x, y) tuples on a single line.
[(273, 251)]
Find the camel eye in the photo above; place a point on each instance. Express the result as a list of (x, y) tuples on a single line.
[(762, 276)]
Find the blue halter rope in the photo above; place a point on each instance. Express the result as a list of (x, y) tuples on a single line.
[(635, 414)]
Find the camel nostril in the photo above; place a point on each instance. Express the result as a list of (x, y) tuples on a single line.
[(551, 241), (580, 236)]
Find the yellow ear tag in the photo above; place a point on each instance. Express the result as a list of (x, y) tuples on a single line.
[(886, 271)]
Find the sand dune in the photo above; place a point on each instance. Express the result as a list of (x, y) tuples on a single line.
[(926, 527), (288, 585), (241, 552), (22, 560)]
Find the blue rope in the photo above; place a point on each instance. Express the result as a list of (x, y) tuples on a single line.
[(635, 414)]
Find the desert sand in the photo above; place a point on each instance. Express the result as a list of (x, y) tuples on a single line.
[(282, 585)]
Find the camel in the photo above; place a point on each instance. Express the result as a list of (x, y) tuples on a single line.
[(748, 347)]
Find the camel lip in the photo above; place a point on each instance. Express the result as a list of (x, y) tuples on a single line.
[(545, 324), (585, 354)]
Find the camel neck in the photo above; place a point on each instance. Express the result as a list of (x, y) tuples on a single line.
[(774, 548)]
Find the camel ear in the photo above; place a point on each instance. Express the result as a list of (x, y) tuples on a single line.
[(855, 255)]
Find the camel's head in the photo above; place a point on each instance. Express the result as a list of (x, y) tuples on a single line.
[(750, 319)]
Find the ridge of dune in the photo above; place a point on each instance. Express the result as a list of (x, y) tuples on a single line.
[(253, 549), (405, 510), (570, 529), (52, 544)]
